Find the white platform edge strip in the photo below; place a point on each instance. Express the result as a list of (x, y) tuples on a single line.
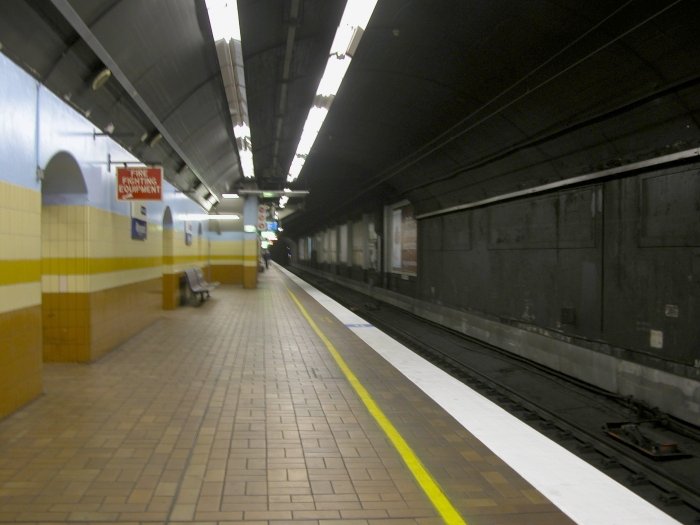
[(585, 494)]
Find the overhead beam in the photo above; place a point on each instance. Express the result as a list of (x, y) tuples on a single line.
[(572, 181), (274, 193), (283, 93)]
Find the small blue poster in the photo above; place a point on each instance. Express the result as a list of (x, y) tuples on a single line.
[(139, 229), (139, 224)]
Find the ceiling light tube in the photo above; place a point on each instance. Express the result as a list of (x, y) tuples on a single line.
[(357, 13), (246, 157), (341, 42), (224, 217), (336, 68), (207, 217), (313, 124), (223, 19), (355, 19), (225, 28), (275, 193)]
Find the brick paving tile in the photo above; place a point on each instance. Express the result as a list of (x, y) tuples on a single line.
[(235, 413)]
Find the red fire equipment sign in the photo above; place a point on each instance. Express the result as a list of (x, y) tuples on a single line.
[(139, 184)]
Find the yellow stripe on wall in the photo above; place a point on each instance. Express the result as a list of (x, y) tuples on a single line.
[(19, 271), (80, 266), (183, 259), (232, 257), (30, 270)]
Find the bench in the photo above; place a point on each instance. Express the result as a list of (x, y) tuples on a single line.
[(203, 281), (198, 285)]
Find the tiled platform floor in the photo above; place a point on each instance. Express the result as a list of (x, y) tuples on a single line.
[(235, 412)]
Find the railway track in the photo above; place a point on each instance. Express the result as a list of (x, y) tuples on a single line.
[(568, 411)]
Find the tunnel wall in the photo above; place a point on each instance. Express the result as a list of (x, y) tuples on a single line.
[(614, 262), (649, 383), (600, 281)]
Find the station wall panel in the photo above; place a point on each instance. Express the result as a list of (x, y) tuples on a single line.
[(227, 261), (99, 285), (652, 275), (20, 296)]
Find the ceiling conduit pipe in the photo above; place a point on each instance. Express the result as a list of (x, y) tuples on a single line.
[(286, 67)]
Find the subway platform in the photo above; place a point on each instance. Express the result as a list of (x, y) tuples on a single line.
[(275, 406)]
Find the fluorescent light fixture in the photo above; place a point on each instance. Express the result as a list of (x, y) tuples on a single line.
[(247, 165), (224, 217), (312, 126), (230, 195), (207, 217), (242, 130), (295, 168), (357, 13), (245, 151), (284, 199), (223, 18), (343, 37), (355, 19), (275, 193), (336, 67)]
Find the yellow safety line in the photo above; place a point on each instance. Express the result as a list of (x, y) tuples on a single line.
[(432, 490)]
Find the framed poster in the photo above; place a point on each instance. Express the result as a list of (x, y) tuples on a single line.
[(404, 240), (139, 224)]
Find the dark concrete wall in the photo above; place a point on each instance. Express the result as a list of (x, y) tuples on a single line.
[(617, 262), (613, 266)]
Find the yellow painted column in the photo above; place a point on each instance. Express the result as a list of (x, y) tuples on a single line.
[(251, 250)]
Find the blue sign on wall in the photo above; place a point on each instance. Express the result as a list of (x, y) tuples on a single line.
[(139, 229)]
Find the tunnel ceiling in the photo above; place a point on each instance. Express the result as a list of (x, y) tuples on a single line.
[(165, 99), (445, 102)]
